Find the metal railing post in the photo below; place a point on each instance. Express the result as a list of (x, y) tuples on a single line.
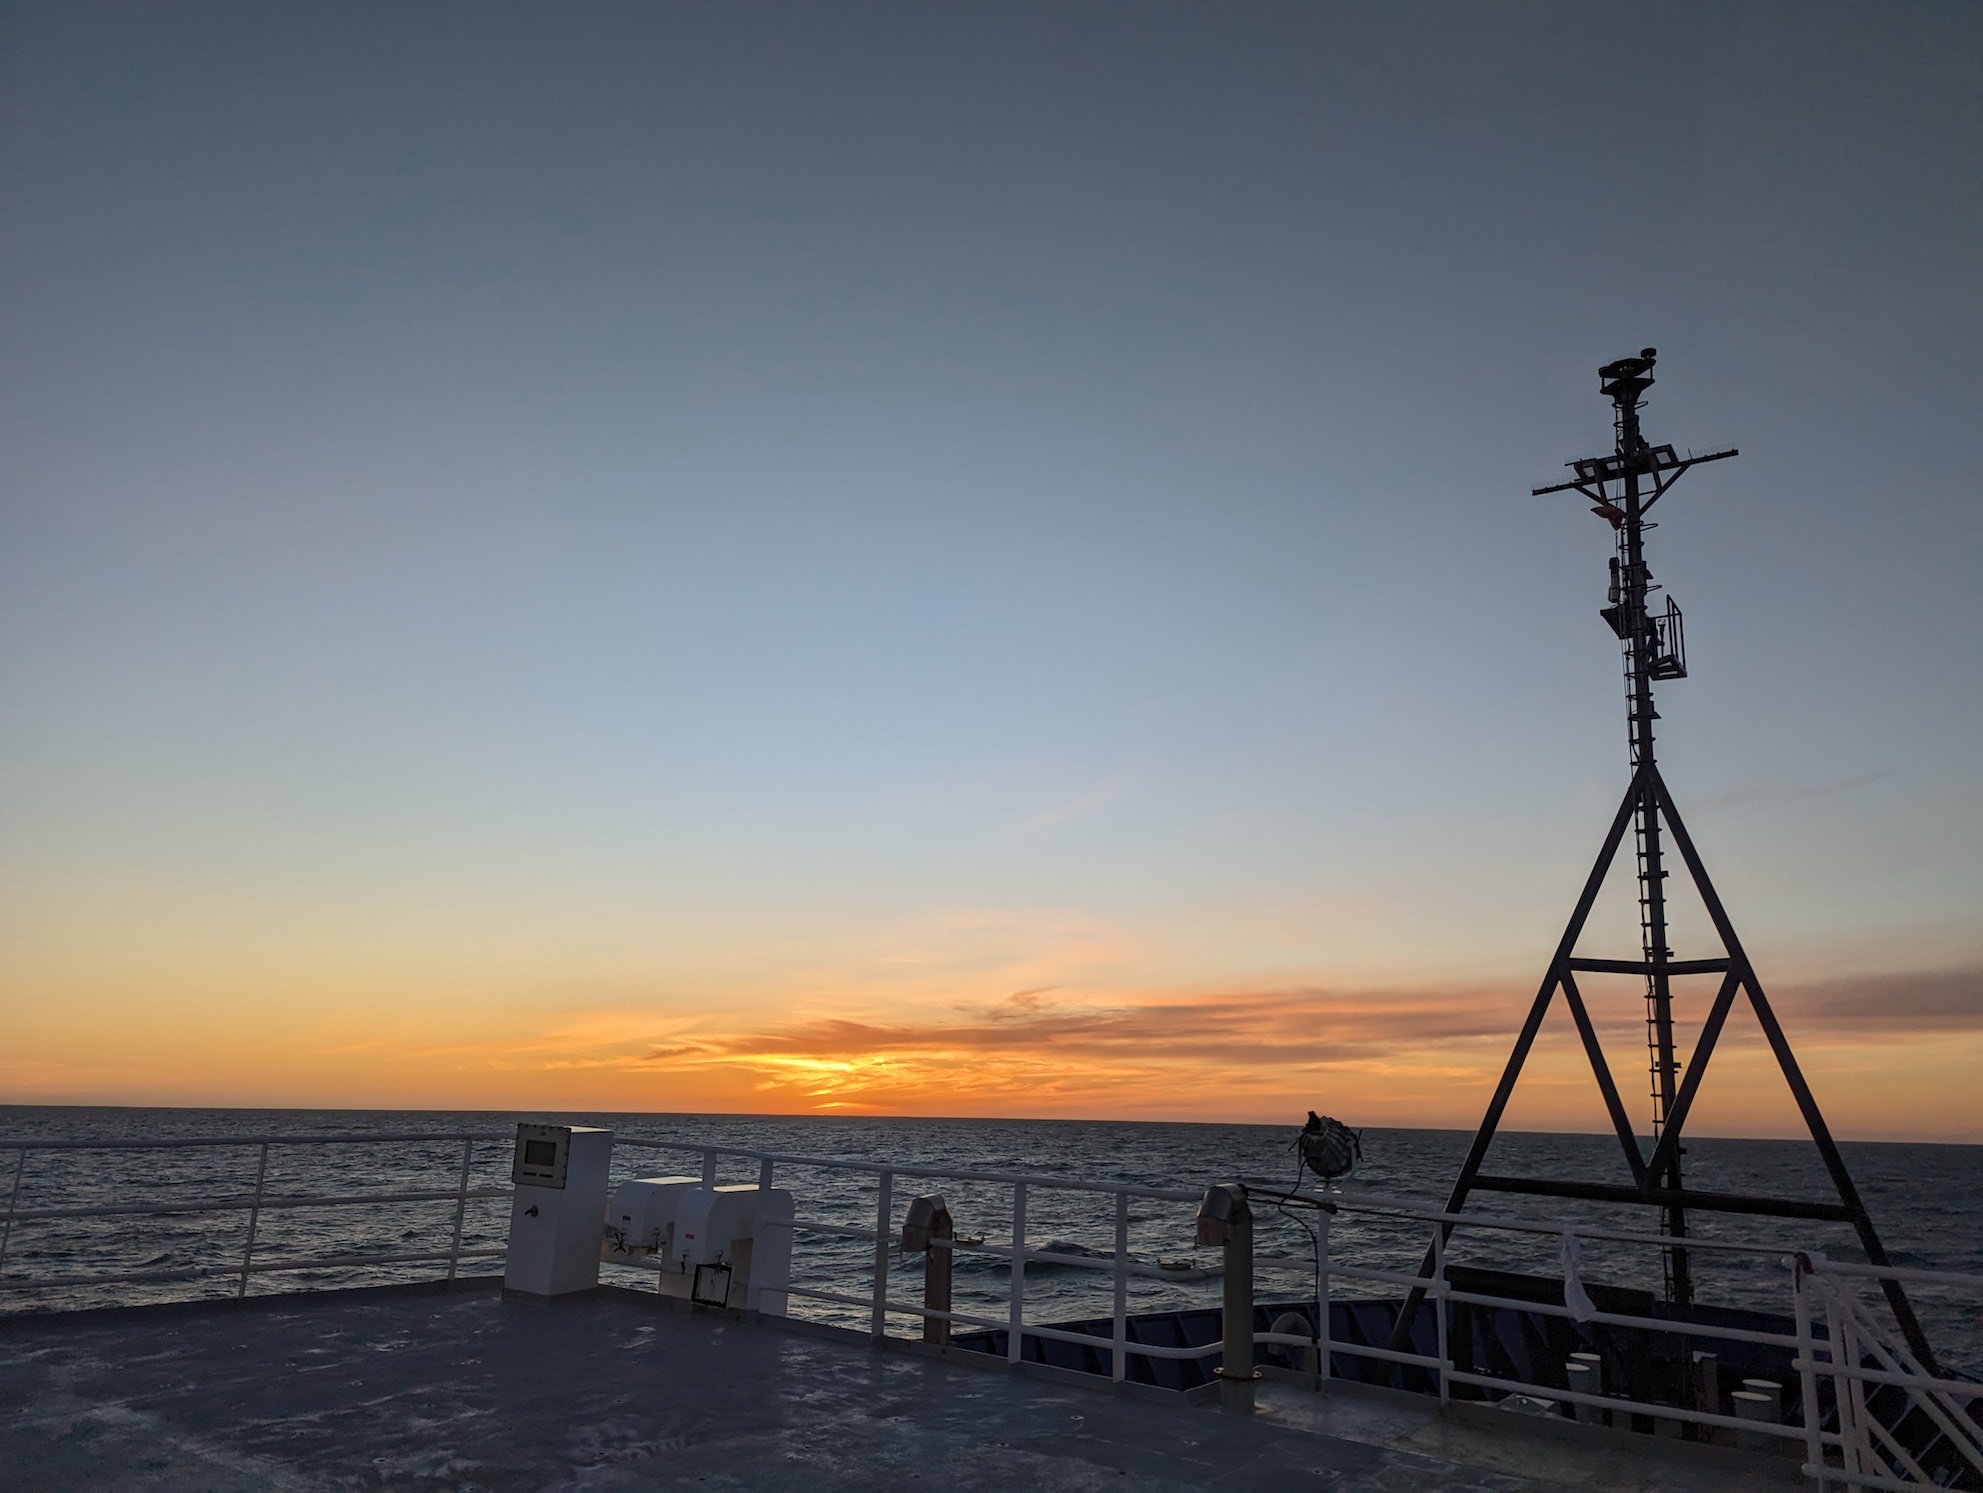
[(1439, 1292), (1848, 1433), (1807, 1370), (1016, 1312), (1863, 1456), (883, 1206), (13, 1206), (254, 1221), (754, 1299), (1322, 1330), (460, 1206), (1120, 1315), (708, 1168)]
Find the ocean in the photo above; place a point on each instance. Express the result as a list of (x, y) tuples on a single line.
[(1926, 1201)]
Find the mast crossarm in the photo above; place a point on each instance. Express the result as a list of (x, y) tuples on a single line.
[(1707, 1202), (1665, 477), (1659, 463), (1642, 967)]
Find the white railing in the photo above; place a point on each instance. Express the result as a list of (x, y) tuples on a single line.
[(1838, 1346), (877, 1304), (254, 1203), (1860, 1451), (1859, 1352)]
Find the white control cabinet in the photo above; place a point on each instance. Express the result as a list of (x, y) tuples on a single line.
[(560, 1175)]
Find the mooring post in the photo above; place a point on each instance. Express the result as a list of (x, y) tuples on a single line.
[(1707, 1390), (1225, 1218), (927, 1229)]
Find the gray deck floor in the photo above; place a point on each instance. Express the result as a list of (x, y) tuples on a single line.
[(467, 1391)]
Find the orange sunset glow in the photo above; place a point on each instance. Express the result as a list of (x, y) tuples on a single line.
[(1888, 1058)]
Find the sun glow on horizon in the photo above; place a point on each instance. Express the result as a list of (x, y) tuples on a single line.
[(1424, 1057)]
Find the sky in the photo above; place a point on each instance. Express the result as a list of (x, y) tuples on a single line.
[(973, 558)]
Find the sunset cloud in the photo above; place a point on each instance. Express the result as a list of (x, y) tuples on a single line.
[(1868, 1006), (1404, 1055), (1076, 808), (1890, 1053)]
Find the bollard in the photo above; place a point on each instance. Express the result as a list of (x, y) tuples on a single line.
[(1760, 1400), (1585, 1376), (1225, 1218), (927, 1229), (1707, 1391), (1707, 1382), (1749, 1405), (1772, 1391)]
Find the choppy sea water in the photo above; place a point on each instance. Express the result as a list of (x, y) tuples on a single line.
[(1926, 1200)]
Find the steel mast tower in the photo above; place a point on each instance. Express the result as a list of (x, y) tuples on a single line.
[(1654, 648), (1622, 488)]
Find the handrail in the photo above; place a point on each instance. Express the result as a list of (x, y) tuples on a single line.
[(1376, 1205), (191, 1142), (215, 1272), (1809, 1345), (1923, 1389), (1911, 1274), (927, 1173), (253, 1203), (250, 1201), (1431, 1213)]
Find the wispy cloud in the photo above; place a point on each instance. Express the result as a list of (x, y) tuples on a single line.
[(1774, 793), (1046, 1050), (1076, 808), (1407, 1055), (1282, 1027), (1867, 1006)]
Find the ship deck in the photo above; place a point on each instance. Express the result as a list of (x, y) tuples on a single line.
[(418, 1387)]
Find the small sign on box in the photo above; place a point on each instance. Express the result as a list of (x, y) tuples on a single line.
[(712, 1285), (542, 1153)]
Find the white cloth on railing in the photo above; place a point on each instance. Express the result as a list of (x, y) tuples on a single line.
[(1574, 1296)]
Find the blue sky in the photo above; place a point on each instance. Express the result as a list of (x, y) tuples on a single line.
[(759, 513)]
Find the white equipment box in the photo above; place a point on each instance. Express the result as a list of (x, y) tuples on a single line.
[(713, 1245), (560, 1173)]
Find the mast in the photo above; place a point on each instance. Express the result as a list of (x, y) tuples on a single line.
[(1623, 487), (1648, 656)]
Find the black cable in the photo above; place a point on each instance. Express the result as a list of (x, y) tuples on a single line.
[(1281, 1200)]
